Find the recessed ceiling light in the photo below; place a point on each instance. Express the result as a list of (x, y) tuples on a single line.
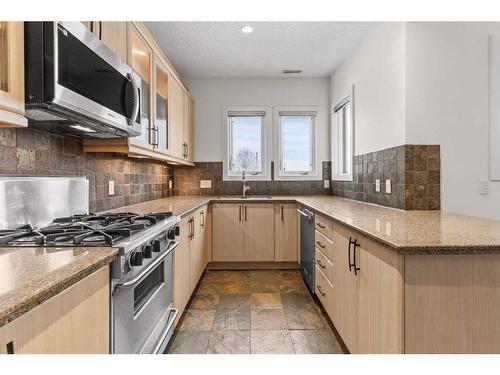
[(246, 29)]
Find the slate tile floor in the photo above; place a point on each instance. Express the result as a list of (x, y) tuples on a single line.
[(261, 312)]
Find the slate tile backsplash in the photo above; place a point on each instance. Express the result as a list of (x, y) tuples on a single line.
[(33, 152), (414, 171), (187, 182)]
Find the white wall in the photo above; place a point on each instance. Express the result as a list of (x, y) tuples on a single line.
[(448, 104), (211, 94), (377, 70)]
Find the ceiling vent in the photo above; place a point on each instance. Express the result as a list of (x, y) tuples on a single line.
[(291, 72)]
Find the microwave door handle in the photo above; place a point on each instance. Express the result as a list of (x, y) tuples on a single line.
[(135, 111)]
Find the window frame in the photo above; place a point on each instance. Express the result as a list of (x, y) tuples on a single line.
[(337, 160), (265, 175), (279, 174)]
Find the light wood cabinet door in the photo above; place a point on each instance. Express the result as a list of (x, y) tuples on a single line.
[(345, 290), (75, 321), (182, 277), (285, 232), (380, 298), (176, 118), (227, 232), (189, 127), (140, 57), (12, 74), (198, 255), (160, 131), (258, 233)]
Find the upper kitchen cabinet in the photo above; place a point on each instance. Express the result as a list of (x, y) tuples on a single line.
[(12, 75), (113, 34), (188, 126), (166, 106)]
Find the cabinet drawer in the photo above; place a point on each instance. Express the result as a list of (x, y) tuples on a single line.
[(324, 225), (324, 291), (324, 244), (324, 264)]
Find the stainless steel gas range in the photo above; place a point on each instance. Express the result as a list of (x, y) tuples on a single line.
[(142, 315)]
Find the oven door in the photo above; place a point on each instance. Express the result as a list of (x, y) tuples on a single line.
[(91, 80), (141, 308)]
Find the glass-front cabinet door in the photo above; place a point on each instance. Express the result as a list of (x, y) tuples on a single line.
[(160, 136), (12, 74), (140, 59)]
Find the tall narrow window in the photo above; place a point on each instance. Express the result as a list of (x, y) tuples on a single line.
[(342, 150), (245, 144), (297, 142)]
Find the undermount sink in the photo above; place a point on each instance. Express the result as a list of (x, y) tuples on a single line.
[(248, 197)]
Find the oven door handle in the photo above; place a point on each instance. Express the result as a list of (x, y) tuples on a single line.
[(148, 269), (167, 330)]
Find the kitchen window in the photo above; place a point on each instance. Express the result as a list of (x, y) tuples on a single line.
[(296, 143), (342, 140), (245, 145)]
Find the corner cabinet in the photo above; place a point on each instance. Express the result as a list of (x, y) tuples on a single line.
[(12, 75), (166, 117)]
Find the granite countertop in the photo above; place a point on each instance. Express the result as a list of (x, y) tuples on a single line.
[(407, 232), (30, 276)]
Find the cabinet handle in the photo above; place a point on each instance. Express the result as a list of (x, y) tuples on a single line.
[(320, 264), (100, 30), (281, 208), (192, 221), (320, 225), (92, 27), (245, 207), (10, 347), (187, 150), (156, 136), (202, 216), (240, 212), (320, 244), (320, 290), (352, 266)]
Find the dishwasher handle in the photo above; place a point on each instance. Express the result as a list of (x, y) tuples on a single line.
[(306, 213)]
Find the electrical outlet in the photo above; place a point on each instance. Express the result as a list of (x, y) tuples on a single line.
[(170, 184), (377, 185), (205, 184), (388, 188), (484, 187), (326, 184), (111, 187)]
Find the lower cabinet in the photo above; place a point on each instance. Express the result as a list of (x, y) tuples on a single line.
[(191, 256), (286, 232), (243, 232), (75, 321), (362, 290)]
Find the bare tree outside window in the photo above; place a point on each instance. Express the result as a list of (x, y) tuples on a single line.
[(246, 160)]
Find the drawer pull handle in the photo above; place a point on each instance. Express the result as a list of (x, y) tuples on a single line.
[(320, 264), (320, 244), (320, 290), (10, 347), (320, 225), (353, 266)]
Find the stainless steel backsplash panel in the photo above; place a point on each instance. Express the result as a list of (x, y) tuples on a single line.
[(39, 200)]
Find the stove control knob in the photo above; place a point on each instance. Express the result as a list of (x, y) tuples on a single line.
[(156, 246), (135, 259), (171, 234), (147, 252)]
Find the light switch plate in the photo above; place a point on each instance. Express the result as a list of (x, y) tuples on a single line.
[(111, 187), (326, 183), (388, 188), (205, 184), (484, 187), (377, 185)]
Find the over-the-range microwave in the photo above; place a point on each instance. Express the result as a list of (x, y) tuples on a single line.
[(76, 85)]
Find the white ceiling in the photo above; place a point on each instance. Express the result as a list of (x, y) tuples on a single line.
[(220, 49)]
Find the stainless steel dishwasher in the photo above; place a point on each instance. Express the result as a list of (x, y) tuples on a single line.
[(307, 246)]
